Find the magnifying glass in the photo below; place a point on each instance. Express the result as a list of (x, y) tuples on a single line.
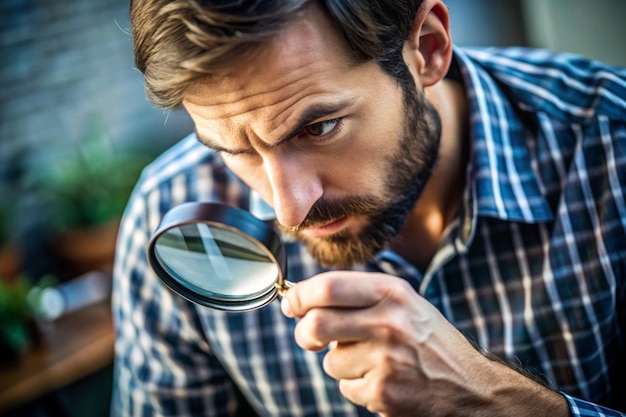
[(219, 256)]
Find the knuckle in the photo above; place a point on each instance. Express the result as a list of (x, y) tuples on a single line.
[(310, 330), (314, 323), (294, 299), (400, 291), (329, 364), (382, 395), (383, 360), (329, 288)]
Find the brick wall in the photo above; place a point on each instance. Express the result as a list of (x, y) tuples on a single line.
[(67, 63)]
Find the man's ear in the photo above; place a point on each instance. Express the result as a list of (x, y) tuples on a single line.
[(428, 51)]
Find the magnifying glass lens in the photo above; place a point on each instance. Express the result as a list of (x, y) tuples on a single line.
[(218, 256), (209, 261)]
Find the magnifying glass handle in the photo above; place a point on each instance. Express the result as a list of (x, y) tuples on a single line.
[(282, 287)]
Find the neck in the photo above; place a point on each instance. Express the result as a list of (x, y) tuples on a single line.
[(419, 239)]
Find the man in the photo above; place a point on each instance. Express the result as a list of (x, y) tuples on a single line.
[(454, 220)]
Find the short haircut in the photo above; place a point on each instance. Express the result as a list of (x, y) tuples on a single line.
[(177, 42)]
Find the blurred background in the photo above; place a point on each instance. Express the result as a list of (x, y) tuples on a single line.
[(75, 132)]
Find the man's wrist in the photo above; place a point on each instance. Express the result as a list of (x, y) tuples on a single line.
[(517, 394)]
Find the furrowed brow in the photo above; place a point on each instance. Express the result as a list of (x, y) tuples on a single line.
[(216, 147), (308, 116)]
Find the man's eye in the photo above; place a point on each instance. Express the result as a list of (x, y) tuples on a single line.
[(321, 128)]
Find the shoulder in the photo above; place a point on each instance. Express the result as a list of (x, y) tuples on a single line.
[(556, 122), (182, 159), (565, 86), (189, 171)]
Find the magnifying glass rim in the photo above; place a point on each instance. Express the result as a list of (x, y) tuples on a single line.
[(224, 217)]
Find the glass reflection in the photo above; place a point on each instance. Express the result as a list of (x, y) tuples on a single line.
[(215, 262)]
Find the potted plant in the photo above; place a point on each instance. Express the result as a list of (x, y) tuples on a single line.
[(17, 320), (85, 190), (21, 312)]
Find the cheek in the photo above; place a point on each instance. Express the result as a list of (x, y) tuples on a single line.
[(377, 136), (353, 169), (365, 161)]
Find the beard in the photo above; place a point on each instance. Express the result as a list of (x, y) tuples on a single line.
[(407, 171)]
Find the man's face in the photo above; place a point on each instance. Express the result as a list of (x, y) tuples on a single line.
[(339, 150)]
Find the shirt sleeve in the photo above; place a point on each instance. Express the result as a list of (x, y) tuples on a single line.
[(582, 408), (163, 362)]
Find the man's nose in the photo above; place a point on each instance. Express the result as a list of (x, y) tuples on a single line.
[(296, 186)]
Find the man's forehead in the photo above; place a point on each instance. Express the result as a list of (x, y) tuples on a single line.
[(303, 47), (253, 84), (296, 78)]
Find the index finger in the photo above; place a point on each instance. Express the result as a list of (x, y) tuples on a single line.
[(335, 289)]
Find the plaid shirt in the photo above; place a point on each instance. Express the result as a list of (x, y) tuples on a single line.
[(533, 269)]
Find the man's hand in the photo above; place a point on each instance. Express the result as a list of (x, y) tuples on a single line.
[(394, 353)]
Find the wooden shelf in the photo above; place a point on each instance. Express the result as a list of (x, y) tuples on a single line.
[(72, 347)]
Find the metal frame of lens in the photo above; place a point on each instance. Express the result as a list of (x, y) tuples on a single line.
[(236, 221)]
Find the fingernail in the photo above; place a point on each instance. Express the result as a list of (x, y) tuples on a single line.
[(286, 308)]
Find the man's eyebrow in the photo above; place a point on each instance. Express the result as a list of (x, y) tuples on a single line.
[(308, 116), (212, 145)]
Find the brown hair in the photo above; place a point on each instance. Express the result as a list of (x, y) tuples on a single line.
[(179, 41)]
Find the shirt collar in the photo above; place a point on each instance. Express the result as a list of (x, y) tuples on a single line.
[(501, 181)]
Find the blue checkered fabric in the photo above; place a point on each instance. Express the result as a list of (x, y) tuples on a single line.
[(533, 268)]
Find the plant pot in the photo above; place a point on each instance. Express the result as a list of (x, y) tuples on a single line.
[(88, 249), (10, 262)]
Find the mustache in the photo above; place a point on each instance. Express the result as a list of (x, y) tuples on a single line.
[(326, 210)]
